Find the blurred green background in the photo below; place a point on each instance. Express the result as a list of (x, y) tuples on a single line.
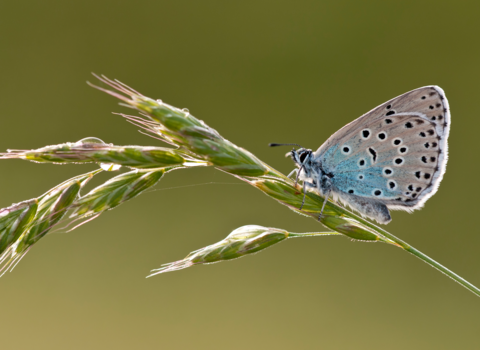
[(258, 72)]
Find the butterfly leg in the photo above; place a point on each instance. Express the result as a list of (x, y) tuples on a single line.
[(325, 187), (304, 194), (294, 171), (305, 184), (323, 206)]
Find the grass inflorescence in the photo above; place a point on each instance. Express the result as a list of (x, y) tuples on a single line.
[(194, 144)]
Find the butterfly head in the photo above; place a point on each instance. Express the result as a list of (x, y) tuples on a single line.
[(302, 157)]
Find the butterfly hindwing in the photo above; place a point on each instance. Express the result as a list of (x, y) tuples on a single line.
[(395, 155)]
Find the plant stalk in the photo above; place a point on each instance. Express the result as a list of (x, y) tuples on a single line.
[(180, 128)]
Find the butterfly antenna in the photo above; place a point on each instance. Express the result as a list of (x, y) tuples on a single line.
[(283, 144)]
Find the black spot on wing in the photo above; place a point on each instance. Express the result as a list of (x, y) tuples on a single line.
[(373, 153)]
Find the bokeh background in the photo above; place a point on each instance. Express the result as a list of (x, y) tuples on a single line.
[(258, 72)]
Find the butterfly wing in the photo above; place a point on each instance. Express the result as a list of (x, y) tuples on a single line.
[(391, 157)]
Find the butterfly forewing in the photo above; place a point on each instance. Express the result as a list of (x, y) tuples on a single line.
[(395, 154)]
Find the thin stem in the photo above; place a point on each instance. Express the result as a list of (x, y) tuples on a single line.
[(407, 247), (443, 269), (312, 234)]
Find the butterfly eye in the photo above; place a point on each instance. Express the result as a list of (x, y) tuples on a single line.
[(303, 156)]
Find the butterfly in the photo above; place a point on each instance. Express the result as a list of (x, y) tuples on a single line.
[(393, 157)]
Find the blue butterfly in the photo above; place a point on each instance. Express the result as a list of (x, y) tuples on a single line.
[(393, 157)]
